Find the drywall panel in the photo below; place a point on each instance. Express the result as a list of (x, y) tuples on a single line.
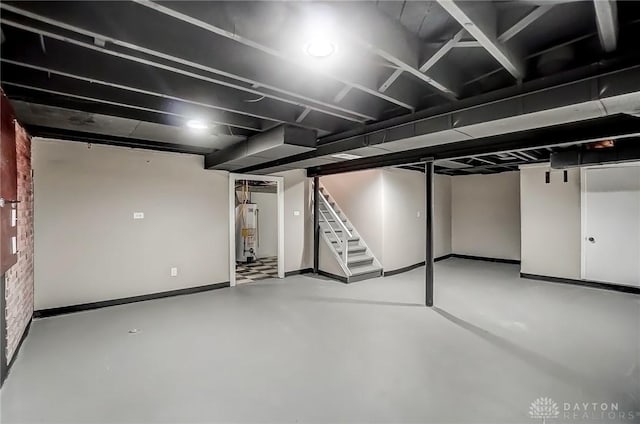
[(328, 262), (297, 213), (267, 223), (441, 215), (403, 201), (89, 247), (486, 215), (550, 229)]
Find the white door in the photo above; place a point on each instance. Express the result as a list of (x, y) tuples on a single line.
[(611, 230)]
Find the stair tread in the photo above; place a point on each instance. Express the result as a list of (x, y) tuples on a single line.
[(357, 257), (359, 270), (352, 249), (351, 239)]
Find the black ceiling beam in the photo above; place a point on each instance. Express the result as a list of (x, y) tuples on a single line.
[(623, 151), (138, 26), (40, 82), (607, 127), (530, 98), (85, 64), (94, 138), (49, 99), (600, 68)]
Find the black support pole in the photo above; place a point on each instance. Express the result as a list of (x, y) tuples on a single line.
[(428, 271), (316, 223)]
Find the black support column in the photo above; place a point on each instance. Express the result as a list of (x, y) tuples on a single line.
[(316, 223), (428, 271)]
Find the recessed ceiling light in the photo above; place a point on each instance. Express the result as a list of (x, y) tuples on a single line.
[(196, 124), (346, 156), (320, 47)]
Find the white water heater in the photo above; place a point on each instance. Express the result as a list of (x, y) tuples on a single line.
[(246, 232)]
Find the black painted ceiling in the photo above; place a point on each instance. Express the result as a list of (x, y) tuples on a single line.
[(133, 73)]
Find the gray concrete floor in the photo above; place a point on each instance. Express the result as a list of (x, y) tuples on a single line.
[(312, 350)]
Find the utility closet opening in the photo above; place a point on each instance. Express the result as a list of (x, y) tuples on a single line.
[(256, 231)]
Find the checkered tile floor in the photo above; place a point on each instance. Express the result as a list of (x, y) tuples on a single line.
[(257, 270)]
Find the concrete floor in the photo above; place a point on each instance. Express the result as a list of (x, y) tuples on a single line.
[(311, 350)]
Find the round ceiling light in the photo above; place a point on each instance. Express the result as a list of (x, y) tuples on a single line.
[(320, 48), (196, 124)]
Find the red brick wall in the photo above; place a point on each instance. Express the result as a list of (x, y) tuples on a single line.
[(19, 278)]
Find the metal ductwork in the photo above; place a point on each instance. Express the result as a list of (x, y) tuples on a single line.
[(280, 142), (621, 151), (589, 98)]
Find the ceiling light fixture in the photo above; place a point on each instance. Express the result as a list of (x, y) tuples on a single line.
[(196, 124), (320, 47)]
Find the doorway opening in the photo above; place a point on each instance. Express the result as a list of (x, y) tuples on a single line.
[(256, 231)]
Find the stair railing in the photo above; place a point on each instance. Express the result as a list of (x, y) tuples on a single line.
[(346, 234)]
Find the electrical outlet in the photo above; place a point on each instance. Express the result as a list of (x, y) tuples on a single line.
[(296, 213), (174, 272), (138, 215)]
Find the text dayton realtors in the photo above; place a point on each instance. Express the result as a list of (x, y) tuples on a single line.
[(596, 411)]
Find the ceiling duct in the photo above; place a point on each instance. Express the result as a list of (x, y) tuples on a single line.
[(622, 151), (471, 120), (280, 142)]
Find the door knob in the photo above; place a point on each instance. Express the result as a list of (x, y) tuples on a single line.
[(591, 239)]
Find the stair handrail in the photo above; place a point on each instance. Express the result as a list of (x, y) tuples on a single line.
[(335, 215), (333, 231), (346, 234)]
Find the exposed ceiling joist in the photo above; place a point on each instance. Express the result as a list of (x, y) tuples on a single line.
[(178, 9), (528, 155), (342, 93), (607, 20), (394, 76), (102, 106), (93, 138), (468, 44), (483, 160), (442, 51), (126, 84), (268, 86), (391, 42), (479, 19), (524, 22), (303, 115)]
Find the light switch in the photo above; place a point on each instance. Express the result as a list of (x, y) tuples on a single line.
[(138, 215), (296, 213), (418, 214), (174, 272)]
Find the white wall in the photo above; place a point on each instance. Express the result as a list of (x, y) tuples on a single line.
[(550, 222), (441, 215), (486, 215), (88, 247), (268, 223), (297, 255), (403, 201)]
